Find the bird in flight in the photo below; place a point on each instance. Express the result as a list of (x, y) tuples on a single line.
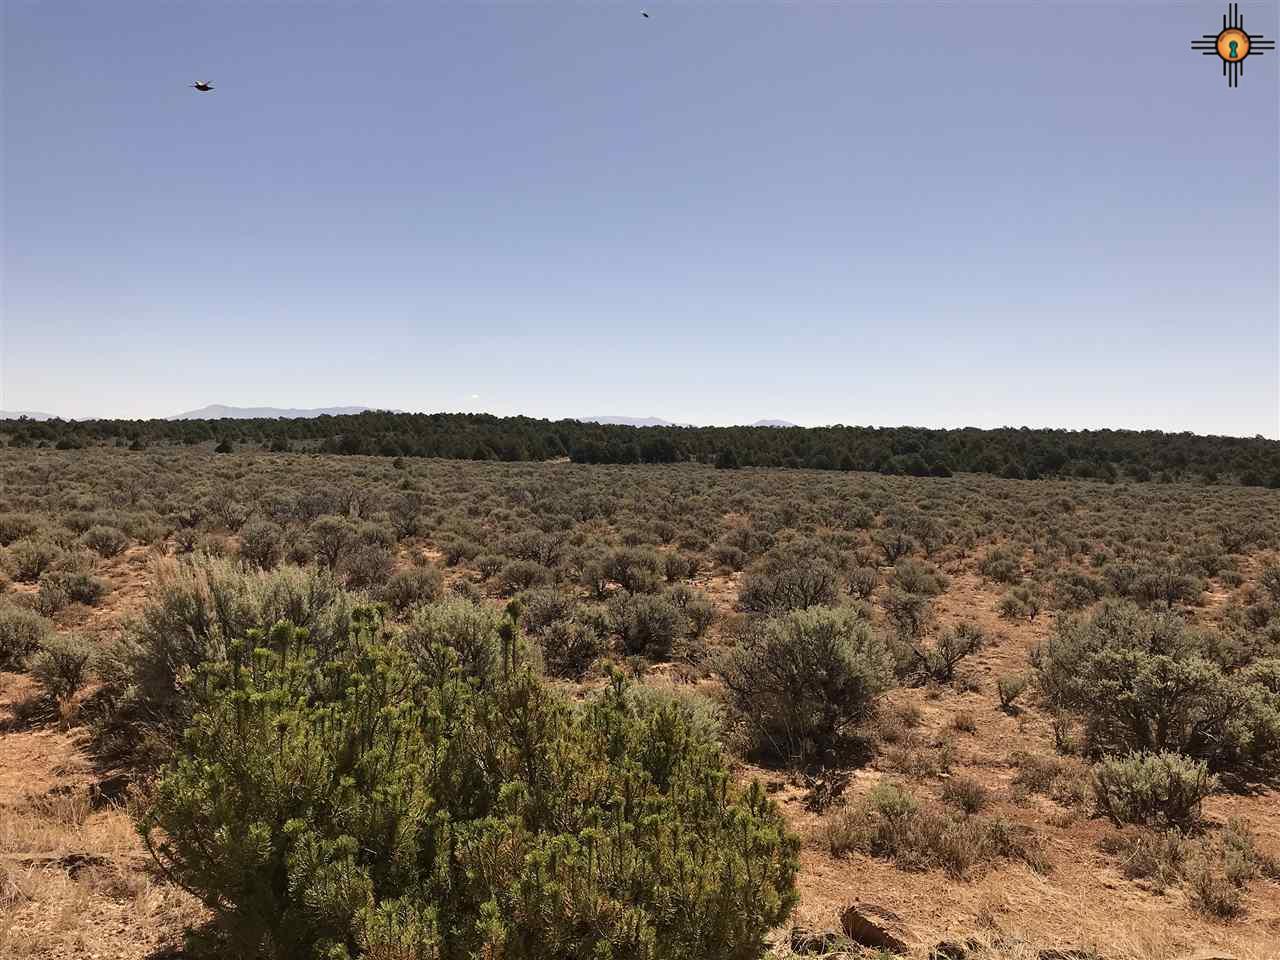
[(204, 86), (645, 14)]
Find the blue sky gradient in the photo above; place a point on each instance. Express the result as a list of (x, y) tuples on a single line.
[(1050, 214)]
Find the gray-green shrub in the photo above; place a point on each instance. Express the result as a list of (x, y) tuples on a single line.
[(105, 541), (22, 632), (261, 543), (648, 625), (32, 556), (1142, 681), (801, 681), (61, 665), (1153, 789), (569, 648), (411, 587)]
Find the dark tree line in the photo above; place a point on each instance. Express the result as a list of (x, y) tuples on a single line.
[(1020, 453)]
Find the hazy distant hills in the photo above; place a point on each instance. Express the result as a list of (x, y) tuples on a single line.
[(29, 414), (633, 421), (217, 411), (659, 422)]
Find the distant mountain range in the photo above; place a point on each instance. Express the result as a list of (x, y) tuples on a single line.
[(218, 411), (29, 414), (659, 422), (633, 421)]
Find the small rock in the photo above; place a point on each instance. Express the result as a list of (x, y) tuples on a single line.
[(859, 928)]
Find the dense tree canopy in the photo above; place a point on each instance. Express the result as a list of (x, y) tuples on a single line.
[(1008, 452)]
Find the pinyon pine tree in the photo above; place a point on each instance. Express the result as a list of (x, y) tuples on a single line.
[(365, 807)]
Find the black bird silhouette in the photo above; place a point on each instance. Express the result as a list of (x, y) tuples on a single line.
[(644, 14), (204, 86)]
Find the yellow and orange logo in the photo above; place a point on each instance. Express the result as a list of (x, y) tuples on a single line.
[(1232, 45)]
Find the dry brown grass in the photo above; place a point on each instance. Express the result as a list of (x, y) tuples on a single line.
[(74, 883)]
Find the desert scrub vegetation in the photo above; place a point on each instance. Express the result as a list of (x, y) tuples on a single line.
[(22, 632), (892, 824), (1144, 681), (1152, 788), (426, 816), (801, 682), (772, 610), (794, 577), (199, 609), (61, 666), (1214, 868)]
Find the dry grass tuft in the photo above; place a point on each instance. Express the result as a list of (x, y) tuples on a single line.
[(73, 882)]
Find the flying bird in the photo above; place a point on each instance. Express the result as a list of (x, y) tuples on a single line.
[(204, 86), (645, 14)]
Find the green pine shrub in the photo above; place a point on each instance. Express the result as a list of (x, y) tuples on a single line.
[(361, 807), (195, 610)]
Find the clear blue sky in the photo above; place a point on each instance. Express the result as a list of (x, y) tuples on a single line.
[(1052, 214)]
